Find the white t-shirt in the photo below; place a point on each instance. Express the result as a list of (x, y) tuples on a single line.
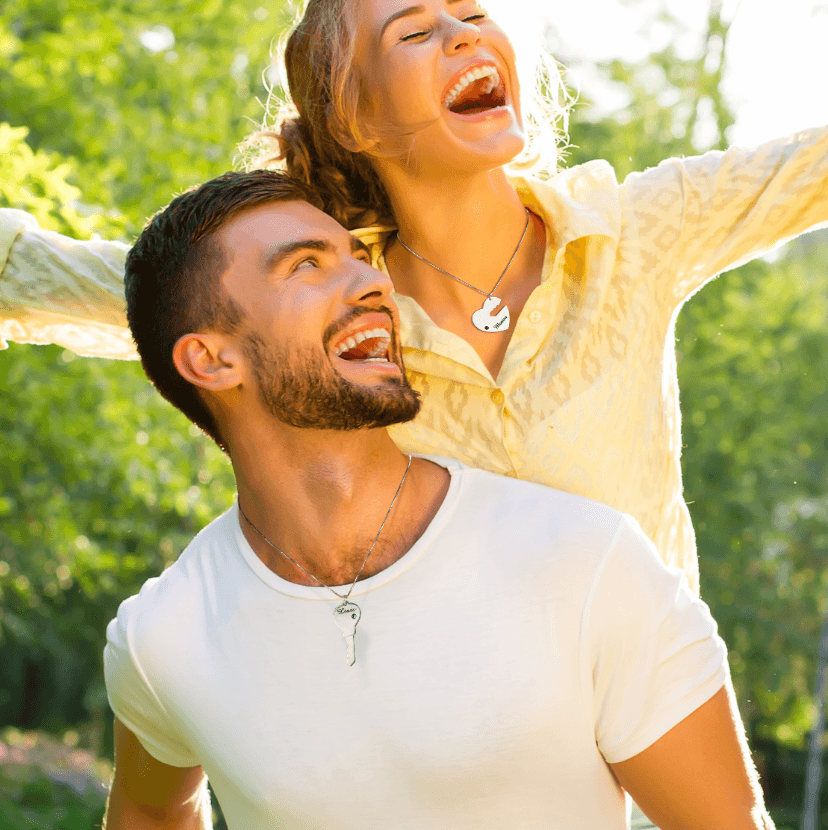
[(529, 637)]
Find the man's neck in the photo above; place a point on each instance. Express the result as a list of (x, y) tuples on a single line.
[(320, 497)]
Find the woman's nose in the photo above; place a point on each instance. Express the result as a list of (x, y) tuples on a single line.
[(460, 34)]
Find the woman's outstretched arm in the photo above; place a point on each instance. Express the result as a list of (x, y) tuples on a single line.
[(699, 216), (54, 289)]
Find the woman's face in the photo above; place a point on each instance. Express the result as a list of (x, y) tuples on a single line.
[(441, 85)]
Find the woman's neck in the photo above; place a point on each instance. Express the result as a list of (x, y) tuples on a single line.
[(468, 226)]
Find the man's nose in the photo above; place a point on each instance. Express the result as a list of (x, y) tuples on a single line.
[(366, 282)]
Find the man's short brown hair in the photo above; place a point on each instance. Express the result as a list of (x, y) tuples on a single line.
[(172, 276)]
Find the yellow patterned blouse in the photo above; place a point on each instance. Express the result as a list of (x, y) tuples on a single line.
[(587, 397)]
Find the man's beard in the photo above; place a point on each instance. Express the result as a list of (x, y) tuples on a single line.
[(301, 389)]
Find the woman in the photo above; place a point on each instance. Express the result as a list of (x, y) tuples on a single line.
[(408, 116), (408, 129)]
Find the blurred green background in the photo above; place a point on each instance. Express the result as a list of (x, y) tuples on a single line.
[(106, 110)]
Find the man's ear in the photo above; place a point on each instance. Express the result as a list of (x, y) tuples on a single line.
[(208, 361)]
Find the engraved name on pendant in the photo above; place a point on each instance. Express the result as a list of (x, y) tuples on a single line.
[(484, 320)]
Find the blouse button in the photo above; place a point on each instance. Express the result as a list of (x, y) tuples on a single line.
[(498, 397), (535, 316)]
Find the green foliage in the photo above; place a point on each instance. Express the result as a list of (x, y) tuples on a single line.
[(102, 484), (146, 98), (754, 393), (38, 803), (37, 183), (675, 106)]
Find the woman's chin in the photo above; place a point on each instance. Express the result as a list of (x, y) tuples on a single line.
[(487, 153), (492, 137), (456, 147)]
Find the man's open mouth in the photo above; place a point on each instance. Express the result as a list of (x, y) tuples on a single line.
[(368, 346), (480, 89)]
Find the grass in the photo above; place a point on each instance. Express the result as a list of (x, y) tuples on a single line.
[(52, 784)]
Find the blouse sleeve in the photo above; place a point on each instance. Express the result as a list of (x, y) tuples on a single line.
[(654, 652), (697, 217), (54, 289)]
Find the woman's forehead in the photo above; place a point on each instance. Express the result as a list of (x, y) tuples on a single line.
[(385, 12)]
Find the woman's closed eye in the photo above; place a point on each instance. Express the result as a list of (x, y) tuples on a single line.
[(413, 36), (472, 18)]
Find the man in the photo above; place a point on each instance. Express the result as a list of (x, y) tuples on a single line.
[(367, 640)]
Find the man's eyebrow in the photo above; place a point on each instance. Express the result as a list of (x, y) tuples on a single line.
[(359, 247), (407, 12), (276, 254)]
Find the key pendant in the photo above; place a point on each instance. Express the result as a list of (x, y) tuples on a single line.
[(346, 616), (484, 319)]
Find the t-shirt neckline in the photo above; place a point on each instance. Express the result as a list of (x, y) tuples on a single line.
[(371, 583)]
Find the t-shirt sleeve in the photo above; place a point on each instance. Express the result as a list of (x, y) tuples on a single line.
[(699, 216), (54, 289), (132, 696), (653, 650)]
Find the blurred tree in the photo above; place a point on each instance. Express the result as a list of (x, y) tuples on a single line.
[(145, 98), (102, 484), (674, 104), (754, 394), (37, 183)]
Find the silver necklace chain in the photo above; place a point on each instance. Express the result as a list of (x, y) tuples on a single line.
[(468, 285), (340, 596)]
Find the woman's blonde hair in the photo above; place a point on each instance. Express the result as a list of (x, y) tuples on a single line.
[(305, 134)]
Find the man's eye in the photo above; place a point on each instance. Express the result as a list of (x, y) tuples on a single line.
[(307, 262)]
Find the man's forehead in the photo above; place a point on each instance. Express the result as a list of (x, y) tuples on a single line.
[(278, 223)]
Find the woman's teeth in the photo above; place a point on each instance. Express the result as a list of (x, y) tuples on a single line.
[(469, 78)]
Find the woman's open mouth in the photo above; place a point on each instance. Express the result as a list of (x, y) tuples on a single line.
[(478, 90)]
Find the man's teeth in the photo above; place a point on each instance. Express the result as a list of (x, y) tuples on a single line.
[(470, 77), (383, 336)]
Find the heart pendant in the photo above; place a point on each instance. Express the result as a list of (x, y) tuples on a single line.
[(484, 320)]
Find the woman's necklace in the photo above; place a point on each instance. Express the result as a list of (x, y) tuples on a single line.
[(483, 318), (346, 614)]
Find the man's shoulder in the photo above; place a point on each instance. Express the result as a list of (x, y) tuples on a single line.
[(183, 587), (549, 515), (529, 491)]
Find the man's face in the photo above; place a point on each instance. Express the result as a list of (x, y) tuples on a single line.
[(321, 330)]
